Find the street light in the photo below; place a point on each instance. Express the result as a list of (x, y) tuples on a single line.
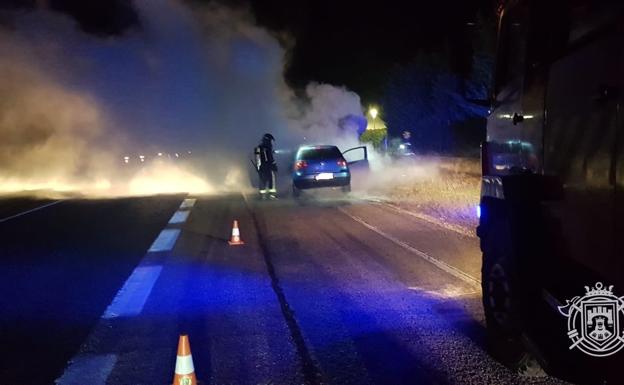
[(373, 112)]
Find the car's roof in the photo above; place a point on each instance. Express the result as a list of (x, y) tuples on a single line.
[(316, 147)]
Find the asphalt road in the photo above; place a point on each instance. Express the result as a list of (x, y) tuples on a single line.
[(325, 290)]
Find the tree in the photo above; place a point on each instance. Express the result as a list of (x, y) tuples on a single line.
[(444, 111)]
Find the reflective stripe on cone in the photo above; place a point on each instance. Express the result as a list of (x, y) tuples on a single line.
[(184, 368)]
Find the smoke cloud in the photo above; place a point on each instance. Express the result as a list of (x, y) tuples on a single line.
[(191, 91)]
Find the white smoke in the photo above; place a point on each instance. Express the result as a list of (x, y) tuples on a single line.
[(204, 79)]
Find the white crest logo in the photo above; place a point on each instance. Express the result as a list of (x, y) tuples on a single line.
[(595, 321)]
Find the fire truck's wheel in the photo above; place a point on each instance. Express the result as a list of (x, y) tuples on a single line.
[(502, 308)]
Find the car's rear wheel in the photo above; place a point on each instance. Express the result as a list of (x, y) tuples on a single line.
[(296, 192)]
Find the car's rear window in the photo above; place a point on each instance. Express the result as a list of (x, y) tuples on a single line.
[(320, 153)]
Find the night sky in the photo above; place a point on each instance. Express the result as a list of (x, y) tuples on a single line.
[(356, 43), (350, 43)]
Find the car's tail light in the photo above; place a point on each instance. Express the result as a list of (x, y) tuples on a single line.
[(300, 165), (342, 163)]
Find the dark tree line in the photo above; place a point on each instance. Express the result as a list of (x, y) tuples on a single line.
[(444, 110)]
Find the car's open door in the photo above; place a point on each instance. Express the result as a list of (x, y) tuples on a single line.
[(356, 156)]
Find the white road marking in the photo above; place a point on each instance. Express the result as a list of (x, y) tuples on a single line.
[(179, 217), (427, 218), (469, 279), (447, 291), (30, 211), (188, 203), (88, 369), (130, 300), (93, 369), (165, 241)]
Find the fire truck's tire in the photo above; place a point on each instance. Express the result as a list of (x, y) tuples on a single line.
[(502, 297)]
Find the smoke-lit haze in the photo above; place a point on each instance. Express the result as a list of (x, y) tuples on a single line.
[(203, 83)]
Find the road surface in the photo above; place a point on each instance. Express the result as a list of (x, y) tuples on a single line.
[(325, 290)]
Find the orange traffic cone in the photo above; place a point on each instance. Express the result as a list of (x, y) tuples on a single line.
[(236, 239), (184, 369)]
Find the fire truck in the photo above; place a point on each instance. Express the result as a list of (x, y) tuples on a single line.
[(552, 210)]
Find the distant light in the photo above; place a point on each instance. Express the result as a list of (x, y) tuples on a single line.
[(478, 208), (373, 112), (177, 155), (471, 23), (189, 152), (126, 159), (142, 158), (160, 154), (402, 146)]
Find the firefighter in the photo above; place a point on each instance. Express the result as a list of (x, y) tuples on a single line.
[(266, 166)]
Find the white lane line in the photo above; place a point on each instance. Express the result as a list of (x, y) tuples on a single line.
[(469, 279), (179, 217), (448, 291), (30, 211), (130, 300), (188, 203), (165, 241), (427, 218), (91, 369)]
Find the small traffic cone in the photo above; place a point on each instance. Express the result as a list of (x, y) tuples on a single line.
[(236, 239), (184, 369)]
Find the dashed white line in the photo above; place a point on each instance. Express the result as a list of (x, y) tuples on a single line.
[(188, 203), (130, 300), (94, 369), (179, 217), (30, 211), (165, 241), (88, 368), (469, 279)]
